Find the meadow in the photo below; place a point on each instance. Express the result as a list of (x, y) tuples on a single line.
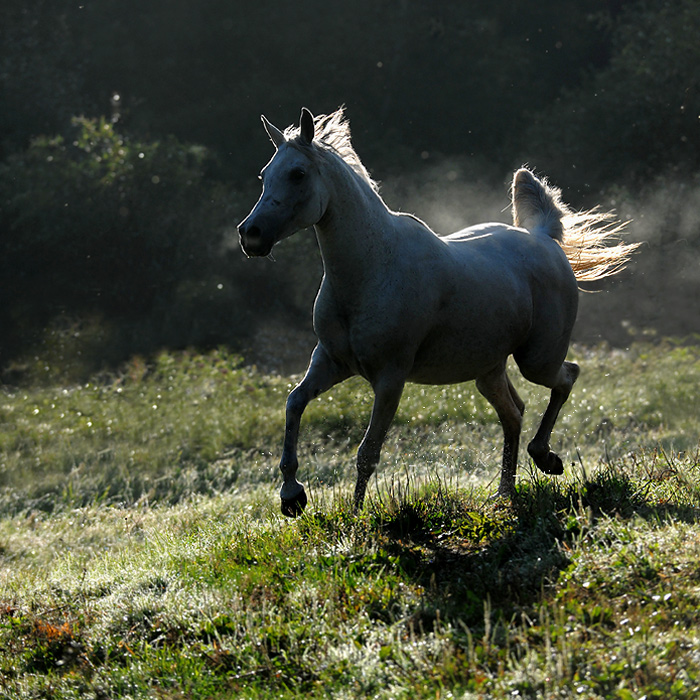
[(143, 555)]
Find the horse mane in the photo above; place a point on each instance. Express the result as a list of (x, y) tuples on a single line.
[(332, 133)]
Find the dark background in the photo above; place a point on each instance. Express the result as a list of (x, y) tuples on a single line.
[(130, 142)]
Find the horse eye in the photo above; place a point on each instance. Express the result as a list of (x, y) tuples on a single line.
[(297, 174)]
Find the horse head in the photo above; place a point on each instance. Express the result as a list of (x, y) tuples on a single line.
[(293, 197)]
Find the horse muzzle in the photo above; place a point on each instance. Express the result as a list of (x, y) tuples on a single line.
[(254, 242)]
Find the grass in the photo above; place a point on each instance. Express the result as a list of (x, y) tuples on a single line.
[(142, 554)]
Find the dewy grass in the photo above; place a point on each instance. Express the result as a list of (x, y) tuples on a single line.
[(142, 554), (207, 599)]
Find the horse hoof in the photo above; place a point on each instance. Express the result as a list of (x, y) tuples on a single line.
[(554, 465), (551, 465), (292, 507), (545, 460)]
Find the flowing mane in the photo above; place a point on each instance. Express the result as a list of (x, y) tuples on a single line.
[(332, 132)]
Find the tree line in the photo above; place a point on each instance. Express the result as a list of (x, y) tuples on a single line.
[(130, 136)]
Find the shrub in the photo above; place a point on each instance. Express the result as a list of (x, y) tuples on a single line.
[(125, 231)]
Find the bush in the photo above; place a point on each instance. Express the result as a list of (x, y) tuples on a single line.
[(127, 232)]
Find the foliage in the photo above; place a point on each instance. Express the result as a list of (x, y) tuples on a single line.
[(608, 80), (638, 116), (93, 218), (41, 72), (104, 226), (377, 57)]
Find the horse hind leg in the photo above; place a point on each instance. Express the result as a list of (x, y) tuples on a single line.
[(501, 394), (519, 403), (539, 449)]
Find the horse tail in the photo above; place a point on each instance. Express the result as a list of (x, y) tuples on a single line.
[(585, 236)]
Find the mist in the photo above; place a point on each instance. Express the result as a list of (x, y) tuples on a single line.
[(658, 295)]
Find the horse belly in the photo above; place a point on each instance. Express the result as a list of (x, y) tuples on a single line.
[(455, 356)]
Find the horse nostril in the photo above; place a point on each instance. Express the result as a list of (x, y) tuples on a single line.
[(253, 241), (254, 232), (251, 233)]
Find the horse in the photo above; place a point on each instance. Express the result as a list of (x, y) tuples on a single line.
[(399, 303)]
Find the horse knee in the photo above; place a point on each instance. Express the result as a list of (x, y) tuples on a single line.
[(572, 370), (296, 401), (566, 378)]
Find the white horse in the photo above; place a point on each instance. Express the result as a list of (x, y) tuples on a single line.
[(399, 303)]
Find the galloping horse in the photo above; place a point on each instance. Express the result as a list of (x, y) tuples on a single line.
[(399, 303)]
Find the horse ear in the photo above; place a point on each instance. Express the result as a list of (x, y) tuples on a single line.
[(276, 136), (306, 126)]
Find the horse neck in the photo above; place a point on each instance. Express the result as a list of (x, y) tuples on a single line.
[(355, 232)]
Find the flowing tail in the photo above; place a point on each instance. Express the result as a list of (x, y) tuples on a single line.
[(584, 235)]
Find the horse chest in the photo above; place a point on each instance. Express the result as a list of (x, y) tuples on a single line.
[(358, 337)]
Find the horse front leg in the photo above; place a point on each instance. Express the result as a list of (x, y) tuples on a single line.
[(546, 460), (323, 373), (387, 394)]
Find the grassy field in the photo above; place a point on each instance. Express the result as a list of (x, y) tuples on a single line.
[(142, 554)]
